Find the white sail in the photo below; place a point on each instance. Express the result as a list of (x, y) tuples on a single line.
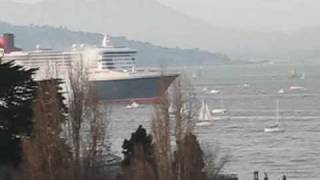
[(277, 114), (207, 114), (276, 127), (201, 111), (204, 113)]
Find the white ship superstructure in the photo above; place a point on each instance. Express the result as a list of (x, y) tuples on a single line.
[(51, 63)]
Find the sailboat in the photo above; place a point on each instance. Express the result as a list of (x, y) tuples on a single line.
[(276, 127), (294, 74), (204, 115)]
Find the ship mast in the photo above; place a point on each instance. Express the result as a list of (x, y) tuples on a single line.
[(106, 41)]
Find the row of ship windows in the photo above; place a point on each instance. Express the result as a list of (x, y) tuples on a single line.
[(42, 60), (122, 53), (123, 62), (70, 56), (69, 61), (59, 59), (104, 64), (69, 64), (46, 57), (118, 59), (118, 55)]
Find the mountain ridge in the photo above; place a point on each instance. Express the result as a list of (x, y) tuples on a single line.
[(27, 37), (150, 21), (145, 20)]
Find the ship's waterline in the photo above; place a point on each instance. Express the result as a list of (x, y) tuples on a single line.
[(142, 90)]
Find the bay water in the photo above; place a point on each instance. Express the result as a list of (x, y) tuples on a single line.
[(249, 94)]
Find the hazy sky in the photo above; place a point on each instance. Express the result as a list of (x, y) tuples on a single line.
[(262, 15), (258, 15)]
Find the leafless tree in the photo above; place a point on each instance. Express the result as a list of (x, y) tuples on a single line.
[(77, 90), (177, 150), (161, 131), (45, 153), (173, 122), (87, 122), (96, 117)]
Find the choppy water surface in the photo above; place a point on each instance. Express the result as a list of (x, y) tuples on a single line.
[(249, 93)]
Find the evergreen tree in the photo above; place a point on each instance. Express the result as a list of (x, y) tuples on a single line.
[(138, 162), (17, 92), (138, 138)]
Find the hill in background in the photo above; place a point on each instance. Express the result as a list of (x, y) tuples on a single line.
[(27, 37), (151, 21)]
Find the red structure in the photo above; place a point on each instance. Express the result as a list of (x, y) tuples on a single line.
[(7, 43)]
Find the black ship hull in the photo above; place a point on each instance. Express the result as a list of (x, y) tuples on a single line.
[(139, 89)]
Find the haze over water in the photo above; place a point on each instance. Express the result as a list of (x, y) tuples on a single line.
[(249, 93)]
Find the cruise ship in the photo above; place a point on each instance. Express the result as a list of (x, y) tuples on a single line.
[(112, 69)]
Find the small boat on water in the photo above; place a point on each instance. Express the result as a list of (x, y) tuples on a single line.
[(246, 85), (297, 88), (133, 105), (281, 91), (221, 110), (204, 123), (214, 91), (205, 89), (276, 127)]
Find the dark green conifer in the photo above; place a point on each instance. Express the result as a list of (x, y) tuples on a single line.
[(138, 138), (17, 92)]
